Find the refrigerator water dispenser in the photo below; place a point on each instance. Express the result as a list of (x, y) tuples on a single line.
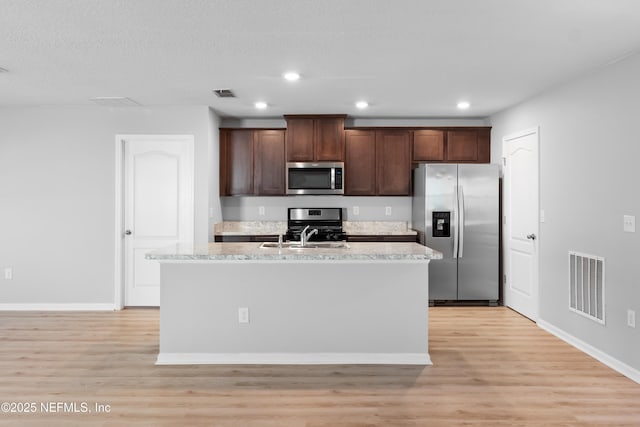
[(441, 223)]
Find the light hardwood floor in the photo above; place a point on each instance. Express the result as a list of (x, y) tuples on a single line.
[(492, 367)]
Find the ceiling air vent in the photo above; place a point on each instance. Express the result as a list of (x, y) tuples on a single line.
[(224, 93), (115, 101)]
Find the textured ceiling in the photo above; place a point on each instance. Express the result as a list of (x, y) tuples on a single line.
[(407, 58)]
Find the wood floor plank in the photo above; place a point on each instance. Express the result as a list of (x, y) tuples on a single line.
[(492, 367)]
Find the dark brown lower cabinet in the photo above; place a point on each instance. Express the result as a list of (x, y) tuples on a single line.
[(350, 238), (382, 238), (245, 238)]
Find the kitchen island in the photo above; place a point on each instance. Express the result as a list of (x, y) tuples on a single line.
[(239, 303)]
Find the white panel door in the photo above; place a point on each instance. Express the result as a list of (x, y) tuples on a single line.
[(520, 223), (158, 209)]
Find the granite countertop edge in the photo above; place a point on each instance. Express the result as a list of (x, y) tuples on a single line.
[(291, 257), (391, 251)]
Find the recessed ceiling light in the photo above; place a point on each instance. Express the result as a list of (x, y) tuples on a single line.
[(463, 105), (291, 76), (260, 105), (362, 104)]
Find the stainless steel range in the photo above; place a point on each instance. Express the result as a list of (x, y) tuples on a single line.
[(315, 224)]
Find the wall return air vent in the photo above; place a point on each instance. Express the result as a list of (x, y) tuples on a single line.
[(586, 285)]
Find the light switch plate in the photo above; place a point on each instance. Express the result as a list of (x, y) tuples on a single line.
[(356, 210), (631, 318), (8, 273), (542, 215), (629, 223), (387, 210), (261, 210)]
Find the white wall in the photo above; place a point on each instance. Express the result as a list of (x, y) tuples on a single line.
[(57, 192), (589, 177)]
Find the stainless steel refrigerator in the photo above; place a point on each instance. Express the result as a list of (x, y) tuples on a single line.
[(456, 211)]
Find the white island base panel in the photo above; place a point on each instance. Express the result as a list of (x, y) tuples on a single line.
[(300, 312)]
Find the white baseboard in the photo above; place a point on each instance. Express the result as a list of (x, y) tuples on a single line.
[(57, 307), (599, 355), (293, 359)]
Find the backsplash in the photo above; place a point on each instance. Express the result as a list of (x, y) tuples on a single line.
[(367, 228), (275, 208)]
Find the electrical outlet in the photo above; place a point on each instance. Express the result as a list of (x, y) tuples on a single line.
[(356, 210), (243, 315), (261, 210), (631, 318), (387, 210), (8, 273), (542, 215), (629, 223)]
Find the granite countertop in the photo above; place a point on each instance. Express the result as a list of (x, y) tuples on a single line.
[(392, 251), (377, 228), (352, 228), (249, 228)]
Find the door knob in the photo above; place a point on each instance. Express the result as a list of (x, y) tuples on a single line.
[(127, 232), (531, 236)]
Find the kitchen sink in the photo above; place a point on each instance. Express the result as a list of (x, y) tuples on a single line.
[(310, 245)]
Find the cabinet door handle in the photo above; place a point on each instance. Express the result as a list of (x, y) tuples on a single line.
[(127, 232), (531, 236)]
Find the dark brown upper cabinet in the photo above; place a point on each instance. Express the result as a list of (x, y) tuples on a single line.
[(469, 146), (378, 162), (269, 164), (360, 162), (455, 145), (393, 162), (252, 162), (428, 145), (238, 148), (315, 138)]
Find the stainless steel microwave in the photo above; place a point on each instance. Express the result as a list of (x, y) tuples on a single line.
[(315, 178)]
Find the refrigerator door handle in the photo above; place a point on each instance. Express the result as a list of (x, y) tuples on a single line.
[(455, 222), (461, 222)]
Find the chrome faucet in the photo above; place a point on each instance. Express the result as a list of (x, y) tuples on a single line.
[(304, 237)]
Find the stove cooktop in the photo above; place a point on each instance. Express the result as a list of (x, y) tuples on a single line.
[(328, 222)]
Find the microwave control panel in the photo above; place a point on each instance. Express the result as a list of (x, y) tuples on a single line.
[(338, 179)]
